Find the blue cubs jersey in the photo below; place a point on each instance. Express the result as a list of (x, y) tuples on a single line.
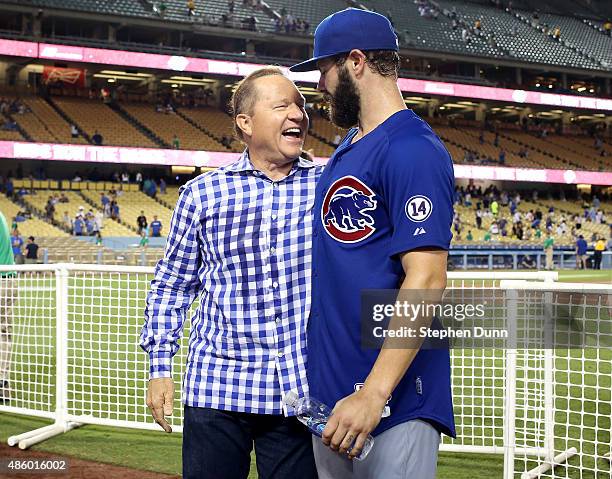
[(386, 194)]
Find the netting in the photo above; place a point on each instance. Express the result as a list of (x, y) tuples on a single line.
[(28, 342), (530, 403)]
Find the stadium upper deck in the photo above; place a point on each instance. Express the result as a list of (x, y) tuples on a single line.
[(424, 25)]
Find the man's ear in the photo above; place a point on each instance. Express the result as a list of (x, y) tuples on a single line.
[(356, 61), (244, 123)]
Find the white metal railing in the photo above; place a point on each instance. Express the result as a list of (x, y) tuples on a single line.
[(75, 359)]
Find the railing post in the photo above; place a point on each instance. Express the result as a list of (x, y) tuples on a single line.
[(510, 386), (61, 345)]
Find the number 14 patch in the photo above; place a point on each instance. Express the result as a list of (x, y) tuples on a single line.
[(418, 208)]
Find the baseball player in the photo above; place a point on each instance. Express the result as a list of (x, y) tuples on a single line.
[(383, 210)]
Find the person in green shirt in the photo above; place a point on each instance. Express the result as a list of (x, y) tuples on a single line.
[(144, 238), (469, 236), (549, 249), (8, 295), (494, 208), (487, 236), (538, 233)]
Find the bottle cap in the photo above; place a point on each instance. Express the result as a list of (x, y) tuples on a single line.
[(291, 399)]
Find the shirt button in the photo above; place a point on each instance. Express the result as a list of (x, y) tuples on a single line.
[(272, 250), (280, 354), (278, 319), (275, 285), (274, 217)]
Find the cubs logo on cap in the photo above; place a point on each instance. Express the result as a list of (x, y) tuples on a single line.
[(344, 212)]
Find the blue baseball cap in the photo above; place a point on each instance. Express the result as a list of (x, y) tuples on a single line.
[(346, 30)]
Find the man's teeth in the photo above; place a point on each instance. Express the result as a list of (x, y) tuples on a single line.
[(297, 131)]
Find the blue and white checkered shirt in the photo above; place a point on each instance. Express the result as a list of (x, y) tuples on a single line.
[(242, 243)]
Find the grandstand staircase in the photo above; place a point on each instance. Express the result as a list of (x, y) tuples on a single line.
[(66, 117), (322, 139), (39, 214), (96, 207), (564, 43), (21, 131), (461, 21), (137, 124), (533, 148), (163, 202), (198, 126)]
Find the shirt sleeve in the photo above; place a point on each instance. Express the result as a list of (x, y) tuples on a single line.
[(173, 289), (418, 186)]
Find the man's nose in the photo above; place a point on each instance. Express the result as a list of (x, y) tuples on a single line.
[(321, 83), (296, 113)]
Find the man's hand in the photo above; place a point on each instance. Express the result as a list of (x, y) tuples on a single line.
[(160, 398), (353, 418)]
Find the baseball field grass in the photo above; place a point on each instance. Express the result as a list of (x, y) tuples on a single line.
[(107, 379)]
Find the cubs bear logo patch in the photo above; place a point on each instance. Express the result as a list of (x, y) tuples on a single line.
[(344, 210)]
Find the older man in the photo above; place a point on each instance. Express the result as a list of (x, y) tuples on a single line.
[(240, 240)]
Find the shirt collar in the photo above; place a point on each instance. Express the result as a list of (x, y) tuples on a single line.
[(244, 164)]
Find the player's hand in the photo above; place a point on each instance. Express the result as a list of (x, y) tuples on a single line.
[(160, 398), (353, 418)]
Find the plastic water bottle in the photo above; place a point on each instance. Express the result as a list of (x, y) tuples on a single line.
[(314, 415)]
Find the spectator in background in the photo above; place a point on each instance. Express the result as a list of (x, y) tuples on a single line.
[(479, 214), (549, 243), (141, 222), (607, 26), (494, 208), (74, 131), (600, 246), (90, 225), (190, 8), (144, 239), (156, 227), (176, 143), (77, 226), (556, 33), (50, 208), (114, 210), (8, 293), (67, 222), (337, 139), (99, 219), (97, 138), (31, 251), (581, 253), (478, 26), (528, 262), (469, 236), (230, 6), (162, 186), (502, 157), (17, 245)]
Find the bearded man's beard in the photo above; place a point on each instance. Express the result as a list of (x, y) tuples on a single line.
[(345, 104)]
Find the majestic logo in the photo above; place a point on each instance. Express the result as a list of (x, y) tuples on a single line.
[(418, 208), (419, 231), (344, 209)]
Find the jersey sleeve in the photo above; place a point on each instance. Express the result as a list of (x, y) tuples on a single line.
[(418, 186)]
